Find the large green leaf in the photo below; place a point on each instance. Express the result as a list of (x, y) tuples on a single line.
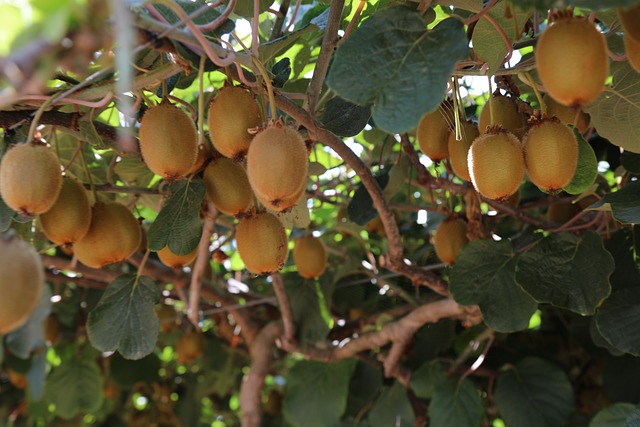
[(345, 118), (426, 380), (612, 416), (624, 203), (393, 63), (456, 403), (317, 393), (616, 112), (306, 299), (587, 169), (484, 274), (534, 393), (567, 271), (178, 223), (618, 322), (360, 208), (623, 246), (125, 318), (392, 408)]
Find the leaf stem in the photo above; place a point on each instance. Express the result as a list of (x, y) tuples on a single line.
[(267, 82)]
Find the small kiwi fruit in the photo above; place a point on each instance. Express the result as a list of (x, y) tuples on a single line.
[(550, 154), (503, 111), (114, 234), (433, 133), (562, 212), (52, 329), (309, 256), (168, 258), (449, 238), (168, 317), (277, 166), (189, 347), (168, 141), (232, 112), (459, 150), (69, 218), (566, 114), (632, 49), (21, 282), (228, 186), (572, 61), (30, 178), (630, 18), (496, 164), (262, 243)]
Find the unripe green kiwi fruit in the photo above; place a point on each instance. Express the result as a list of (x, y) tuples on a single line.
[(566, 114), (114, 234), (496, 164), (30, 178), (630, 20), (550, 154), (232, 112), (632, 50), (68, 219), (503, 111), (277, 167), (459, 150), (450, 237), (21, 281), (168, 141), (309, 256), (228, 186), (433, 134), (572, 61), (168, 258), (262, 243)]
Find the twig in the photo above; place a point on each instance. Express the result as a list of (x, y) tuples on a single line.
[(285, 309), (202, 259), (279, 23)]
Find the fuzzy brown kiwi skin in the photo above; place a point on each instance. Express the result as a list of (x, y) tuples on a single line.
[(170, 259), (262, 243), (69, 218), (309, 256), (450, 237), (30, 178), (630, 20), (228, 186), (459, 150), (502, 111), (566, 114), (433, 134), (168, 141), (632, 50)]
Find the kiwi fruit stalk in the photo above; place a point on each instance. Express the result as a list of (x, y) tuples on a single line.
[(21, 282), (572, 61), (30, 178), (551, 154), (277, 167), (459, 150), (69, 218), (496, 164), (449, 238), (114, 235), (168, 141), (433, 134), (309, 256), (502, 111), (232, 113), (228, 186), (262, 243)]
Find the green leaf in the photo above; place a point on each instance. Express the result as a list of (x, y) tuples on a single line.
[(534, 393), (487, 41), (470, 5), (208, 15), (75, 387), (427, 379), (394, 64), (612, 416), (392, 408), (127, 372), (617, 110), (587, 169), (617, 320), (623, 246), (305, 304), (37, 375), (345, 118), (456, 403), (360, 209), (30, 336), (317, 393), (125, 318), (6, 215), (624, 203), (567, 271), (620, 378), (484, 274), (133, 171), (630, 161), (634, 419), (178, 223), (366, 383), (273, 48)]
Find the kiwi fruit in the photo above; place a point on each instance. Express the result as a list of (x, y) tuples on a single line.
[(630, 18), (433, 133), (449, 238), (277, 167), (376, 226), (17, 379), (228, 186), (503, 111), (232, 112), (167, 316), (632, 49), (30, 178), (550, 154), (205, 153), (571, 57), (262, 243), (566, 114), (459, 150), (168, 258), (114, 234), (496, 164), (189, 347), (309, 256), (52, 329), (69, 218), (21, 282), (562, 212), (168, 141)]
